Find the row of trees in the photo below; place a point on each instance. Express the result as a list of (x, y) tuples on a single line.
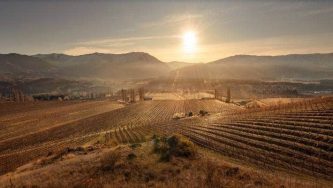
[(130, 95), (219, 96), (15, 95)]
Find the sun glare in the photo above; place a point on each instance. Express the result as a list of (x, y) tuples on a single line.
[(189, 42)]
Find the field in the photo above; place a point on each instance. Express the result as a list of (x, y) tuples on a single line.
[(297, 138), (54, 126), (294, 137), (179, 95)]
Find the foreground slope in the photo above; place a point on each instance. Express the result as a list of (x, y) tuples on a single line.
[(142, 165), (57, 127), (297, 137), (293, 138)]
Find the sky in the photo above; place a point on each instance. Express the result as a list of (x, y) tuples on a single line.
[(217, 29)]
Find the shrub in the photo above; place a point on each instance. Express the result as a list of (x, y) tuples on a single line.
[(131, 156), (165, 156), (213, 175), (156, 144), (181, 147), (135, 145), (232, 171), (203, 112), (109, 160), (159, 144), (174, 146)]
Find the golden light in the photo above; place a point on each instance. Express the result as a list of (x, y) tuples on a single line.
[(189, 42)]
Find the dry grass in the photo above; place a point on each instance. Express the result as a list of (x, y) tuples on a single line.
[(137, 166), (109, 160), (173, 146)]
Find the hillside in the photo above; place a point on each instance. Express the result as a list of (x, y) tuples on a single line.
[(16, 65), (140, 65), (287, 68), (141, 165), (107, 66), (60, 139), (59, 60), (90, 66)]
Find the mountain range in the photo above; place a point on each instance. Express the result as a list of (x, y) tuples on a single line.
[(140, 65), (272, 68), (134, 65)]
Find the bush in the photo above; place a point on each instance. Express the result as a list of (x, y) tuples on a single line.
[(160, 145), (203, 112), (131, 156), (109, 160), (174, 146), (232, 171), (213, 175), (181, 146), (135, 145)]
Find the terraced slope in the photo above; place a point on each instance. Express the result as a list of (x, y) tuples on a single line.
[(290, 139), (25, 131), (30, 136)]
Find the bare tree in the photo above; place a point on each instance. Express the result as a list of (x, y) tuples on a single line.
[(132, 95), (142, 94), (124, 95), (228, 99)]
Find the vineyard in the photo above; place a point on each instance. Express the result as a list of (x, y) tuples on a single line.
[(296, 137), (28, 135), (180, 95)]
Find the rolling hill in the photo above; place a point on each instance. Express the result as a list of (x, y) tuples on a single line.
[(134, 65), (281, 68), (16, 65), (140, 65)]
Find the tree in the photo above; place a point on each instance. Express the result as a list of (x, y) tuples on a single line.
[(124, 95), (228, 95), (142, 94)]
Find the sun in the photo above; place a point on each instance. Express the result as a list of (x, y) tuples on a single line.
[(189, 42)]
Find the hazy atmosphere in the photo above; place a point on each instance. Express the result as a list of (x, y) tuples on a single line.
[(220, 28), (167, 94)]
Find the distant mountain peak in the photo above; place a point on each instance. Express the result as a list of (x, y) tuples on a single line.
[(134, 65), (106, 65), (257, 58), (280, 67)]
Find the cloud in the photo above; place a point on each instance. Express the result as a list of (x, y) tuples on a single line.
[(125, 45), (80, 50), (207, 52), (323, 10), (126, 40), (152, 43), (174, 19), (115, 45), (316, 43)]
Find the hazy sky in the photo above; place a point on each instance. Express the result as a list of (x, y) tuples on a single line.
[(222, 28)]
